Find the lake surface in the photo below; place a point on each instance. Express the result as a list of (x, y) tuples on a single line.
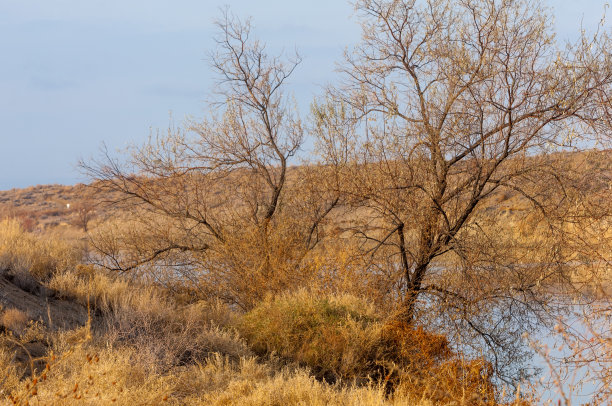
[(556, 359)]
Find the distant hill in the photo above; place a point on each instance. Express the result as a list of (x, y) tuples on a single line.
[(46, 207)]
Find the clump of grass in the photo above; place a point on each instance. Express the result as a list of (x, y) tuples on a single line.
[(252, 383), (90, 374), (24, 254), (14, 320), (94, 287), (9, 376)]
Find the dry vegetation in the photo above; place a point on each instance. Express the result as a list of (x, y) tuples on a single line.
[(458, 205), (145, 344), (141, 345)]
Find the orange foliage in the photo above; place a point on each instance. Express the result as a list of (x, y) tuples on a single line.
[(431, 369)]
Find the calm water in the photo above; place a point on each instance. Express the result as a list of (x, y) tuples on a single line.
[(575, 381)]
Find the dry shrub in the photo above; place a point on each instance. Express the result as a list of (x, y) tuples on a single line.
[(254, 261), (332, 335), (14, 320), (249, 261), (25, 255), (426, 365), (342, 269), (343, 338)]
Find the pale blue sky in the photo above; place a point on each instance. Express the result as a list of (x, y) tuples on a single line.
[(76, 73)]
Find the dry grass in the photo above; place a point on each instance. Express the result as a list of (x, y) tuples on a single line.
[(9, 376), (96, 376), (24, 254), (166, 333), (14, 320), (142, 348), (90, 374), (103, 291)]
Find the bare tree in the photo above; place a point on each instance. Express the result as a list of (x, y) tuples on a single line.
[(448, 108), (211, 204), (84, 211)]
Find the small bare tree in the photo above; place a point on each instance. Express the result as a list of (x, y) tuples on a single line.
[(84, 212), (448, 108), (213, 203)]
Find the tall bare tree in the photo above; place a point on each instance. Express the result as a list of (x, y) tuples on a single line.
[(448, 108)]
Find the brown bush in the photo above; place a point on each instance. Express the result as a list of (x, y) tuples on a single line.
[(428, 366)]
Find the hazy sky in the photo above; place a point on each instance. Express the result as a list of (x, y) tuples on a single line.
[(76, 73)]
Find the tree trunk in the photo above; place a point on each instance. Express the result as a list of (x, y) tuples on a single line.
[(413, 288)]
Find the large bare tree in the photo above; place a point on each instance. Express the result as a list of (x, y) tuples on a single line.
[(448, 108)]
